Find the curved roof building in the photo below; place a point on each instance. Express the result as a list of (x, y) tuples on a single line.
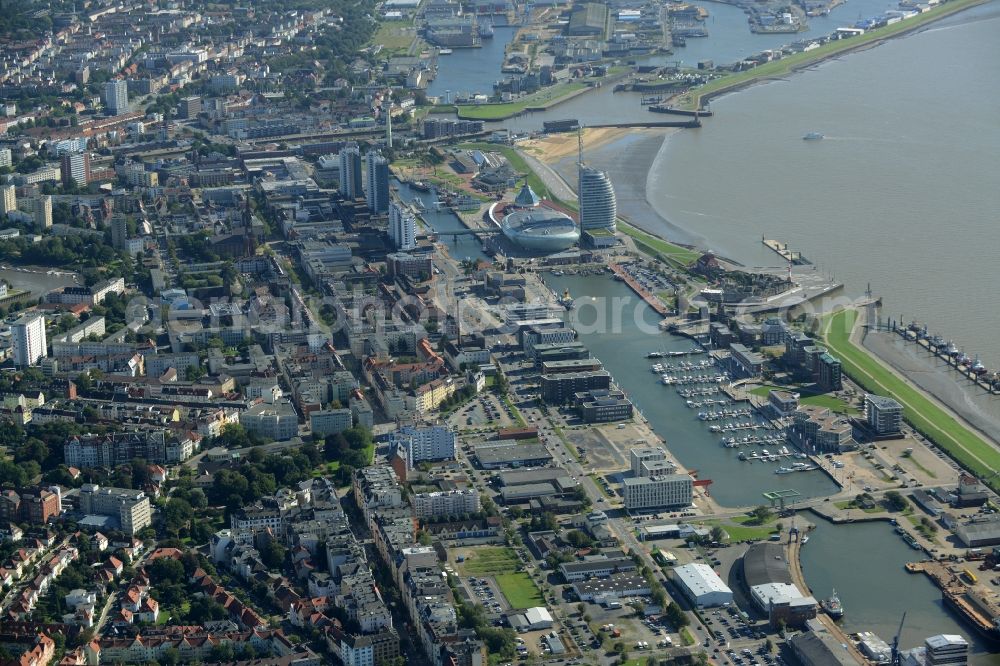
[(540, 229), (598, 207)]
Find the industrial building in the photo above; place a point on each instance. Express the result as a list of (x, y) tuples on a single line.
[(614, 587), (532, 619), (702, 585), (512, 455), (597, 567)]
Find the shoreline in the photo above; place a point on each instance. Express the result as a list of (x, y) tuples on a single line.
[(778, 69)]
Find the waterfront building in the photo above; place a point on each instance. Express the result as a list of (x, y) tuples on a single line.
[(819, 430), (646, 454), (655, 492), (782, 403), (350, 172), (558, 388), (377, 183), (545, 335), (116, 97), (598, 206), (702, 585), (743, 363), (28, 340), (829, 373), (883, 415), (946, 650), (402, 227), (602, 406)]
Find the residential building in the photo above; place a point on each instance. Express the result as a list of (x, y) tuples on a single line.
[(330, 421), (28, 340), (428, 506), (76, 169), (402, 227), (428, 443), (883, 415), (276, 421), (377, 183), (830, 373), (560, 388), (131, 507), (8, 199), (350, 172), (116, 97), (654, 492)]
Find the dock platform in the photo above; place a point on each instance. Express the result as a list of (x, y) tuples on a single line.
[(651, 299), (793, 256)]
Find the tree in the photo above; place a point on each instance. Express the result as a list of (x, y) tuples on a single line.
[(761, 514), (578, 539), (176, 515), (718, 534), (895, 501), (165, 569), (273, 554), (676, 616), (223, 652)]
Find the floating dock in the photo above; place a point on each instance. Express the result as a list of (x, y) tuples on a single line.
[(792, 256)]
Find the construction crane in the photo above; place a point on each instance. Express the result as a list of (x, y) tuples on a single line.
[(895, 641)]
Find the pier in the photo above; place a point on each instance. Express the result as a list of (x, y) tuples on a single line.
[(968, 367), (792, 256), (651, 299), (973, 606), (697, 113)]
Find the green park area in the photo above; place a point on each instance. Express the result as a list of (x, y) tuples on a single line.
[(657, 247), (787, 65), (807, 397), (543, 98), (967, 447)]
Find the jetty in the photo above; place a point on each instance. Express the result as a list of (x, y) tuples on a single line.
[(792, 256), (651, 299)]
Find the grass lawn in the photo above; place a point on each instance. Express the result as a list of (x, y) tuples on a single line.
[(967, 447), (395, 36), (686, 636), (520, 590), (489, 561), (506, 110), (738, 531), (833, 403), (788, 64), (515, 411), (672, 253)]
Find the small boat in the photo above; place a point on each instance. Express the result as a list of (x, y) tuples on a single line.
[(813, 136), (655, 354), (832, 606), (567, 301), (445, 51), (805, 540)]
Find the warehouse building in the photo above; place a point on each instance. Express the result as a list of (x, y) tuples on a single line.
[(599, 567), (512, 455), (614, 587), (702, 585)]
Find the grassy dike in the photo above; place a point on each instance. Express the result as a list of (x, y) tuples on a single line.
[(963, 444), (787, 65), (544, 98)]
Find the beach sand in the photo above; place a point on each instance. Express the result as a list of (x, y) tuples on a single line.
[(552, 148)]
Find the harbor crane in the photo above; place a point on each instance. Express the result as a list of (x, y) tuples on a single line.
[(895, 641)]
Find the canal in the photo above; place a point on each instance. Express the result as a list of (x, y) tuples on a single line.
[(459, 247), (620, 329), (467, 72)]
